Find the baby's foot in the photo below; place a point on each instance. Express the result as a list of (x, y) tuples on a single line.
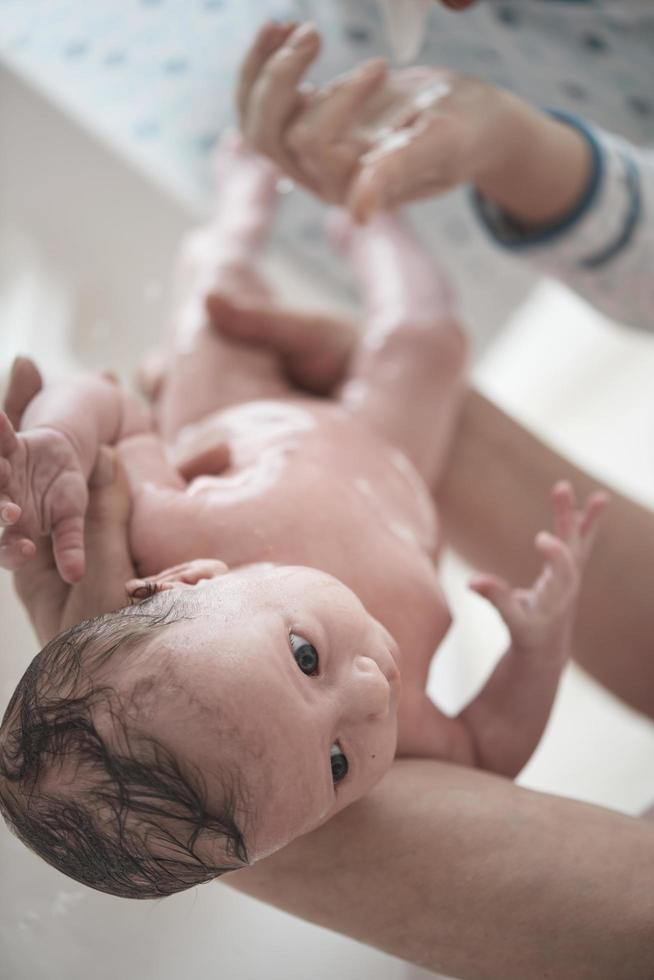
[(42, 491)]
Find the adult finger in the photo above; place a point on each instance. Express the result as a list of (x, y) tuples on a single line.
[(41, 589), (15, 551), (8, 440), (68, 548), (9, 511), (405, 167), (276, 97), (106, 540), (269, 39), (316, 139), (109, 493), (25, 382)]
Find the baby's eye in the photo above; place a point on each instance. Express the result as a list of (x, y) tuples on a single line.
[(306, 655), (339, 763)]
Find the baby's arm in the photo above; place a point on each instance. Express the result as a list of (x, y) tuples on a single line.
[(502, 726), (44, 468)]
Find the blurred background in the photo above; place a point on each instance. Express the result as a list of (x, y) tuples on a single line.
[(107, 119)]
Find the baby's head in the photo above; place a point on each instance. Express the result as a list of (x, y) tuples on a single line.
[(158, 747)]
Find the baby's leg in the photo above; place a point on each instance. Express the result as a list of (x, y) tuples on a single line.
[(407, 376), (203, 370)]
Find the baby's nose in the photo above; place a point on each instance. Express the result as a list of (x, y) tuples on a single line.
[(370, 692)]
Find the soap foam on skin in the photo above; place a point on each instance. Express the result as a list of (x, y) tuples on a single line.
[(407, 94), (406, 26)]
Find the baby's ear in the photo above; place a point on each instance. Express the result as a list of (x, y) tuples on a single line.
[(179, 577)]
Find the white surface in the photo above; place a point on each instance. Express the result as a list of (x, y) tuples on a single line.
[(86, 243)]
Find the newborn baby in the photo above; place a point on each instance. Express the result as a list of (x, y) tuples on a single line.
[(285, 549)]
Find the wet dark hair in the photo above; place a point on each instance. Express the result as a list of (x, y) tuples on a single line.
[(131, 820)]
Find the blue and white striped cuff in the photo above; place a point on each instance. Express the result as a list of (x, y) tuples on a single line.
[(601, 224)]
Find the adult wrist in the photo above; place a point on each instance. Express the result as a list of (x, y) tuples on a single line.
[(545, 168)]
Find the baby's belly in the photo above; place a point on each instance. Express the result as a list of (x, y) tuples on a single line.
[(306, 485)]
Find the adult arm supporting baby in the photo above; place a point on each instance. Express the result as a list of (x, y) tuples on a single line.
[(466, 874)]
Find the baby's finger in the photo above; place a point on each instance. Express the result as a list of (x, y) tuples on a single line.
[(25, 382), (496, 590), (595, 507), (590, 521), (564, 503), (68, 548), (268, 40), (558, 557)]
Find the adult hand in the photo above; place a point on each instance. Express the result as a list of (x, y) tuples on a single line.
[(374, 140), (51, 603), (279, 114), (371, 139)]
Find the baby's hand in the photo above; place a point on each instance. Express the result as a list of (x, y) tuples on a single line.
[(542, 616), (42, 491)]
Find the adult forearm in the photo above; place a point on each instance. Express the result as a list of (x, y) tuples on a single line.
[(464, 873), (494, 498), (545, 171)]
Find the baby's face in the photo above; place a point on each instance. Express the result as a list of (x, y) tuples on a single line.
[(282, 676)]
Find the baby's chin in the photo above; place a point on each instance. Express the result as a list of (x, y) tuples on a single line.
[(382, 759), (344, 799)]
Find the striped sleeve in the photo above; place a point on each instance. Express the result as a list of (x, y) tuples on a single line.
[(604, 247)]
